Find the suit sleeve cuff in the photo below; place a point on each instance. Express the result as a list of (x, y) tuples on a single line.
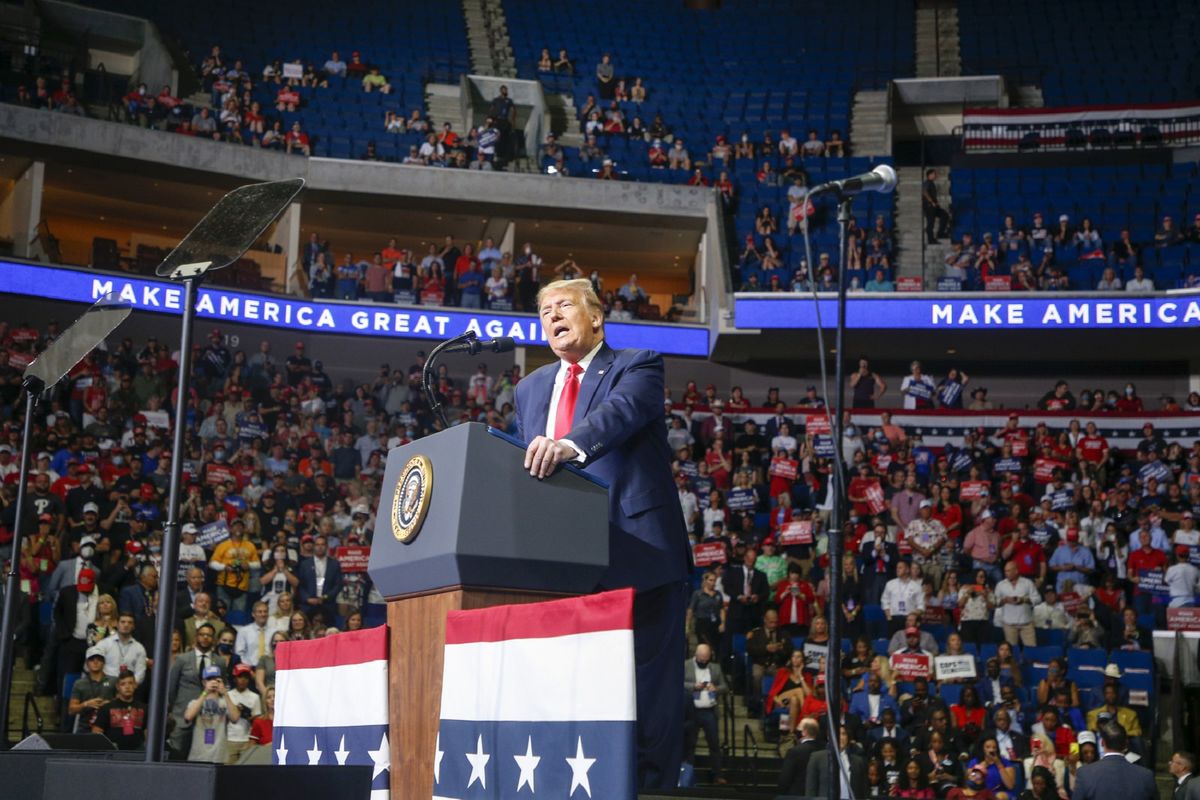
[(580, 456)]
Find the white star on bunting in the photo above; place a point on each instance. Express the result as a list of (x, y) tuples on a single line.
[(479, 760), (382, 757), (281, 752), (341, 753), (437, 759), (579, 769), (314, 755), (528, 763)]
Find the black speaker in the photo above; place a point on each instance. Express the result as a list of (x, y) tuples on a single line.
[(23, 772), (65, 741), (123, 780)]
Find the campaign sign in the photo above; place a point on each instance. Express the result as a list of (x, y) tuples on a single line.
[(741, 500), (1183, 619), (783, 468), (352, 558), (910, 666), (212, 534), (1153, 581), (969, 490), (953, 667), (798, 531), (875, 500), (707, 553)]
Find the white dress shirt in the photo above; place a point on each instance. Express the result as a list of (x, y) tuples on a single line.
[(559, 380), (246, 645)]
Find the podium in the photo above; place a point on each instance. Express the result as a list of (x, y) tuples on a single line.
[(461, 525)]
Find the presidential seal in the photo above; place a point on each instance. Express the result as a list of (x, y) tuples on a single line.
[(411, 499)]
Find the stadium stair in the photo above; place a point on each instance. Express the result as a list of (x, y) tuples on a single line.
[(869, 124), (487, 38), (910, 224), (443, 104), (938, 53), (1027, 96), (22, 684)]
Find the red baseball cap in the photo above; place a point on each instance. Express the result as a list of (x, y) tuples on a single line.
[(912, 631)]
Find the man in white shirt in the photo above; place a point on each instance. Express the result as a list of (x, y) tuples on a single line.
[(122, 652), (702, 679), (1050, 614), (1016, 597), (927, 536), (1182, 579), (254, 640), (901, 595), (688, 503), (237, 734)]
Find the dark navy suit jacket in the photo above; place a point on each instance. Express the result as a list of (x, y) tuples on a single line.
[(619, 425)]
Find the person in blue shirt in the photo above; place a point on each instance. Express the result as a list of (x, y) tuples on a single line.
[(470, 285), (1071, 562), (880, 283)]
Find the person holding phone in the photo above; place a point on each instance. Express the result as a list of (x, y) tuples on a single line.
[(208, 713)]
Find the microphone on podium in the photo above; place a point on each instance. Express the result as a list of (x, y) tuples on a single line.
[(468, 343)]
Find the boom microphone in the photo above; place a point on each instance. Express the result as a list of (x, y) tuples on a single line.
[(882, 179), (473, 346)]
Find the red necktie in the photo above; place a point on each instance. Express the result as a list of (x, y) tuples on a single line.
[(566, 402)]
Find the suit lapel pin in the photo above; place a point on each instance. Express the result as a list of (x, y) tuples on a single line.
[(598, 374)]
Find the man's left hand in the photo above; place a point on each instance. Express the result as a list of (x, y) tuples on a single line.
[(545, 454)]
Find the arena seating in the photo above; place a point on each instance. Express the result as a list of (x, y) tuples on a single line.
[(1096, 52), (1136, 197)]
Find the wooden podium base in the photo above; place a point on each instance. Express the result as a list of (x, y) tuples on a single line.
[(417, 631)]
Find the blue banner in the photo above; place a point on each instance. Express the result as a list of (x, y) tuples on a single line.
[(358, 319), (1059, 311)]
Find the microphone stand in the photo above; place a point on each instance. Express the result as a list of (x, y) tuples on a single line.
[(427, 374), (33, 387), (833, 658)]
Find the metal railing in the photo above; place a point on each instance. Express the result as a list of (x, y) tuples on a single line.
[(1084, 131), (750, 752), (31, 702)]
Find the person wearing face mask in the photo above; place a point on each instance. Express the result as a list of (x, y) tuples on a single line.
[(278, 578), (704, 682), (65, 575)]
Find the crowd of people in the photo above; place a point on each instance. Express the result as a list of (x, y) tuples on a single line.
[(980, 549), (1037, 561), (467, 277)]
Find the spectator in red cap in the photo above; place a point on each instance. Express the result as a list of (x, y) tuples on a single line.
[(73, 613), (249, 705)]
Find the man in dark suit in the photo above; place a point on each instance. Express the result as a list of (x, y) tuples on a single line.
[(141, 600), (602, 409), (816, 783), (777, 421), (185, 684), (320, 581), (794, 772), (747, 590), (1183, 769), (769, 649), (1113, 775)]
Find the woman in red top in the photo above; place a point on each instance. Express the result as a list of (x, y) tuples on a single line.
[(737, 400), (969, 714), (781, 515), (913, 782), (797, 602), (719, 465), (262, 729)]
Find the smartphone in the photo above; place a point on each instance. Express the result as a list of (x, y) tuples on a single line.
[(1074, 748), (1036, 746)]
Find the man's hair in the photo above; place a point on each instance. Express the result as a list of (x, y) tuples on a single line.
[(1112, 734), (125, 614), (126, 674), (211, 628), (1188, 758), (581, 288), (809, 727)]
